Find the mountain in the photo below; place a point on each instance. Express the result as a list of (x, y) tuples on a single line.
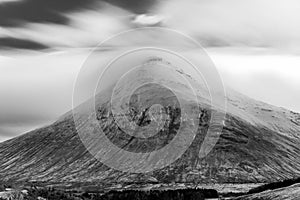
[(259, 142)]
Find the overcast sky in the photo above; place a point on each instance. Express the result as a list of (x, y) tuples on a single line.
[(254, 43)]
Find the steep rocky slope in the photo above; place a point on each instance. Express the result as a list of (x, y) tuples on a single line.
[(259, 143)]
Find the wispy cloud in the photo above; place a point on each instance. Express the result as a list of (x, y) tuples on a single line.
[(264, 23), (67, 23), (17, 13), (9, 42)]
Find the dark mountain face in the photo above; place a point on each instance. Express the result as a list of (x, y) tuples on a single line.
[(259, 143)]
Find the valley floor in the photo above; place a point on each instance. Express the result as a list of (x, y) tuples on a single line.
[(287, 193)]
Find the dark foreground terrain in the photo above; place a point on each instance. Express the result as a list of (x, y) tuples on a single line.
[(286, 190), (35, 193)]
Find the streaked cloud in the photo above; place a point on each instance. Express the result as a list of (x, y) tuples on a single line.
[(86, 29), (17, 13), (9, 42), (5, 1), (68, 23), (263, 23)]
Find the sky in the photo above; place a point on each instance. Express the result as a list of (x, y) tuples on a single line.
[(255, 44)]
